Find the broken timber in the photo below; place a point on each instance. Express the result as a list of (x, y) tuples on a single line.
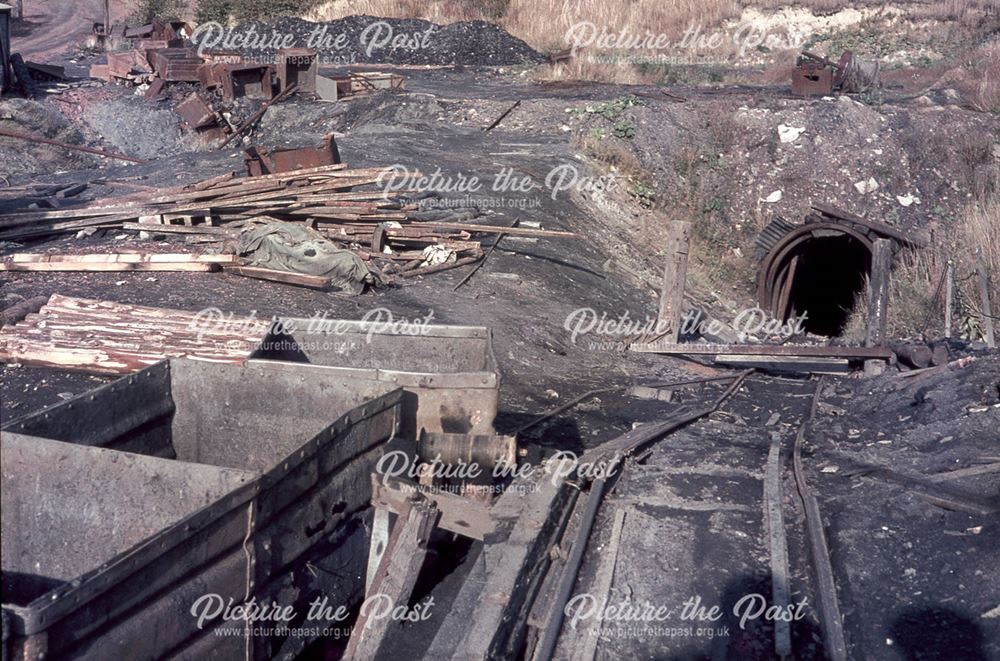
[(395, 577), (803, 350), (463, 516), (488, 617)]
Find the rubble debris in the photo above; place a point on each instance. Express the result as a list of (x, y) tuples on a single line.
[(237, 80), (104, 337), (817, 75), (288, 91)]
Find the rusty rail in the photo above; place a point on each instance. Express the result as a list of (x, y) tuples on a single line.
[(66, 145)]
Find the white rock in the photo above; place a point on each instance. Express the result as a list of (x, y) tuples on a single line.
[(789, 133), (865, 187), (907, 200), (773, 197)]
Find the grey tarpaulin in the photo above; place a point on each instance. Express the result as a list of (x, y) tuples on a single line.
[(274, 244)]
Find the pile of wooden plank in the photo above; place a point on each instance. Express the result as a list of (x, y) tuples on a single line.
[(105, 337), (370, 222)]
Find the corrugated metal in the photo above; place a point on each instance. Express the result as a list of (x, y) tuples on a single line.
[(770, 235)]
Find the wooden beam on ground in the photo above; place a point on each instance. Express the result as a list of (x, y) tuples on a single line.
[(674, 277), (802, 350), (787, 364), (460, 515), (284, 277), (774, 522), (395, 578), (125, 258), (512, 231), (109, 266), (832, 621), (604, 581)]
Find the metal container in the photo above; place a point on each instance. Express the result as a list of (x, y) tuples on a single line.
[(449, 373), (307, 441)]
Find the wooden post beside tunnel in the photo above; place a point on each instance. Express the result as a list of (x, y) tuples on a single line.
[(674, 275)]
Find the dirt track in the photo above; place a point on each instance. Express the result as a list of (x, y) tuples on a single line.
[(49, 28)]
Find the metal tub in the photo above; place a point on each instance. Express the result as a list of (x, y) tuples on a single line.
[(309, 440), (449, 373)]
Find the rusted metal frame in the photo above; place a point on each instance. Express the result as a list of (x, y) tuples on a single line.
[(787, 279), (774, 260), (826, 588)]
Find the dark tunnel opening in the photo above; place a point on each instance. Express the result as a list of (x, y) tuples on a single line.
[(831, 272)]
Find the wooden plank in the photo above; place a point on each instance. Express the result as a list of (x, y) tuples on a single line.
[(878, 301), (949, 293), (972, 471), (774, 523), (984, 299), (881, 228), (674, 277), (788, 363), (878, 293), (699, 349), (125, 257), (395, 578), (466, 517), (512, 231), (109, 266), (284, 277), (603, 581)]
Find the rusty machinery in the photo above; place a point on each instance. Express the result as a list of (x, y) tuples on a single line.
[(817, 75), (260, 160)]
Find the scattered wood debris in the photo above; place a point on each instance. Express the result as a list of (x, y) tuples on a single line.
[(105, 337)]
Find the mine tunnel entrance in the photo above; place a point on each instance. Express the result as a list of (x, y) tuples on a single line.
[(828, 275), (816, 269)]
